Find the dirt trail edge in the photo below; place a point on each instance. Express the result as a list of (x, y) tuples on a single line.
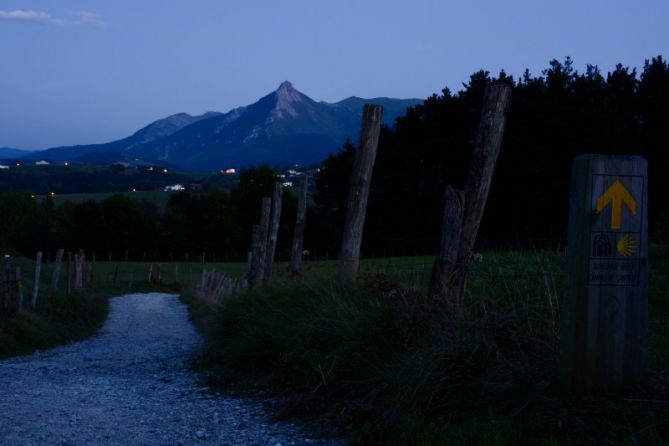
[(129, 385)]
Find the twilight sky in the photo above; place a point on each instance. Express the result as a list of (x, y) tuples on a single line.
[(87, 71)]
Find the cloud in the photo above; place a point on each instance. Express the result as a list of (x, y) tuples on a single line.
[(19, 15), (88, 18), (84, 18)]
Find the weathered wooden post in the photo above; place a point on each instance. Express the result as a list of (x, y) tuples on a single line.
[(116, 277), (150, 273), (481, 167), (259, 249), (298, 235), (38, 271), (79, 270), (604, 321), (361, 178), (7, 285), (55, 275), (19, 290), (445, 261), (277, 196), (69, 272)]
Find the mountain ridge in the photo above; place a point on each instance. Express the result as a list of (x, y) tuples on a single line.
[(283, 127)]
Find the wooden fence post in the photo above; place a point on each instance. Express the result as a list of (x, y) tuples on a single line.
[(116, 277), (445, 261), (55, 275), (79, 270), (604, 320), (7, 287), (361, 178), (300, 223), (260, 243), (19, 290), (69, 272), (481, 167), (38, 271), (277, 196)]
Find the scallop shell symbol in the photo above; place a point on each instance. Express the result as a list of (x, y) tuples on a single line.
[(627, 246)]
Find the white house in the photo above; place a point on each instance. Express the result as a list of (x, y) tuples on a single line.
[(174, 188)]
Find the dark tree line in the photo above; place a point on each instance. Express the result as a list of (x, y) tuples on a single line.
[(553, 118), (216, 222)]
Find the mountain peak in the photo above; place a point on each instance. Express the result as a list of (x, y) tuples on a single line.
[(286, 96)]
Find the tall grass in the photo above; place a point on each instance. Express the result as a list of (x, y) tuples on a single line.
[(390, 365)]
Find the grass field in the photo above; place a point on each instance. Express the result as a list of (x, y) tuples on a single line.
[(389, 365)]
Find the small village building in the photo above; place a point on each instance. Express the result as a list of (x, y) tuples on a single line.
[(174, 188)]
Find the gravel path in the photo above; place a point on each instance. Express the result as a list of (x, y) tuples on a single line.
[(129, 385)]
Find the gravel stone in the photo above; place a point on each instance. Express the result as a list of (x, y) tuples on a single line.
[(130, 384)]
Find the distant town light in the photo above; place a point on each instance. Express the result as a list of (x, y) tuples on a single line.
[(150, 169), (18, 164), (134, 190), (164, 170), (66, 164), (174, 188), (52, 194), (229, 171)]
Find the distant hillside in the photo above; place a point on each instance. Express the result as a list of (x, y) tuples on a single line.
[(156, 130), (282, 128), (9, 153)]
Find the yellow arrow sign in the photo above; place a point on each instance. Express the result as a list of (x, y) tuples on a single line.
[(616, 194)]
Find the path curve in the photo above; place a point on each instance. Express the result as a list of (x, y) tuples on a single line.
[(130, 384)]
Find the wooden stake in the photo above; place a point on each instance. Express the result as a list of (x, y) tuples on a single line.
[(481, 167), (36, 282), (361, 178), (277, 197), (55, 276), (445, 261), (7, 287), (300, 223), (260, 235), (79, 270), (69, 272), (19, 291)]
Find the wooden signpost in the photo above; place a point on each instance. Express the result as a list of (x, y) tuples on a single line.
[(605, 311)]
